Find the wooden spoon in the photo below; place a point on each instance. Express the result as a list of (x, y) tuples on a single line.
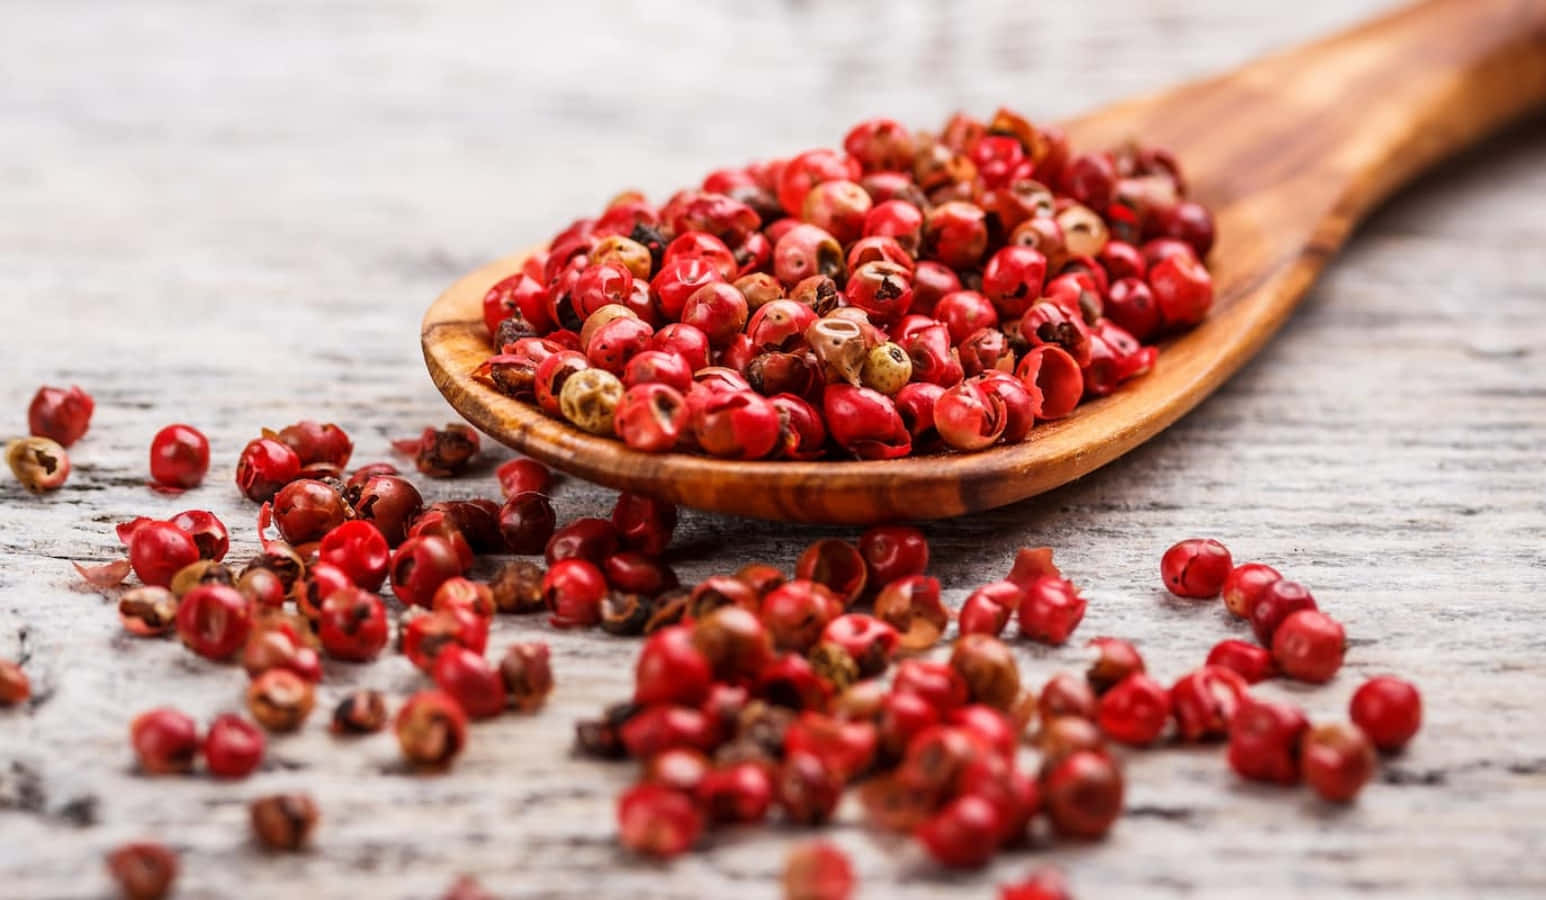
[(1290, 152)]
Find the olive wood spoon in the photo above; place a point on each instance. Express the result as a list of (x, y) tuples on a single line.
[(1289, 152)]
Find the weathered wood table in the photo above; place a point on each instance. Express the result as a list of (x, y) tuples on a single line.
[(233, 215)]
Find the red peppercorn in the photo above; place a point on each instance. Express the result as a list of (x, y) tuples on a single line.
[(868, 640), (425, 636), (807, 791), (643, 523), (388, 502), (1083, 794), (1388, 710), (518, 476), (796, 613), (1131, 305), (657, 821), (990, 726), (1182, 288), (1045, 883), (1135, 710), (233, 748), (865, 422), (1245, 585), (278, 643), (420, 566), (179, 457), (817, 870), (157, 550), (280, 700), (964, 834), (893, 551), (937, 682), (1250, 662), (911, 604), (527, 674), (573, 590), (1196, 568), (1066, 694), (321, 581), (590, 539), (1051, 610), (431, 729), (62, 416), (1052, 374), (738, 793), (352, 625), (265, 466), (1013, 279), (660, 727), (1205, 701), (836, 565), (1264, 741), (968, 417), (1338, 761), (164, 741), (214, 620), (208, 532), (305, 510), (15, 687), (319, 444), (988, 609), (144, 871), (671, 669), (359, 550), (1308, 646), (470, 679), (1277, 602)]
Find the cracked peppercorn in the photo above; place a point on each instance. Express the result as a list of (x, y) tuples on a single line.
[(143, 870), (283, 822)]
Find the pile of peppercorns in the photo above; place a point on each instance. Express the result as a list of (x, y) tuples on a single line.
[(909, 293), (755, 692)]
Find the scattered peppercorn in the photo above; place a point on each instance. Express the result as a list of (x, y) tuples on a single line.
[(283, 822), (41, 465), (14, 685), (144, 871)]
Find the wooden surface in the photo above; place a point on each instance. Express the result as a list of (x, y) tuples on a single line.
[(1281, 153), (233, 215)]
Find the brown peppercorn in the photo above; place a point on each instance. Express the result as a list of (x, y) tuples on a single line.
[(444, 452), (38, 463), (602, 738), (625, 614), (198, 573), (733, 641), (528, 676), (761, 577), (517, 587), (148, 611), (431, 729), (987, 665), (719, 591), (283, 821), (144, 871), (668, 609), (283, 561), (280, 700), (14, 686), (834, 664), (361, 712), (1063, 736)]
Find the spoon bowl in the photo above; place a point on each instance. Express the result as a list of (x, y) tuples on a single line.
[(1289, 152)]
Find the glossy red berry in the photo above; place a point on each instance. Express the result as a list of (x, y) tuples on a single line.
[(739, 793), (1264, 741), (671, 669), (988, 609), (657, 821), (208, 532), (1388, 710), (1205, 702), (352, 624), (214, 620), (807, 790), (63, 416), (796, 613), (470, 679), (425, 636), (179, 457), (1245, 585), (305, 510), (956, 234), (1051, 374), (164, 741), (1050, 610), (319, 444), (1082, 794), (1338, 760), (1308, 646), (644, 523), (1182, 289), (517, 476), (265, 466), (420, 566), (836, 565), (1013, 279), (157, 550), (1250, 662), (359, 550), (573, 590), (390, 503), (893, 551), (964, 834), (1135, 710), (590, 538), (1045, 883), (233, 748), (1196, 568), (1277, 602), (869, 641), (737, 425)]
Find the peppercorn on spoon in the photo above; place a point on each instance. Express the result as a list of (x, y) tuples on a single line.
[(1290, 152)]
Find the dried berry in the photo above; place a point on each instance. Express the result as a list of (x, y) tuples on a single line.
[(360, 712), (280, 699), (431, 729), (144, 871), (38, 463), (283, 821)]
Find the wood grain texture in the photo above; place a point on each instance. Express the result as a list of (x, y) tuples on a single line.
[(1288, 152), (233, 214)]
